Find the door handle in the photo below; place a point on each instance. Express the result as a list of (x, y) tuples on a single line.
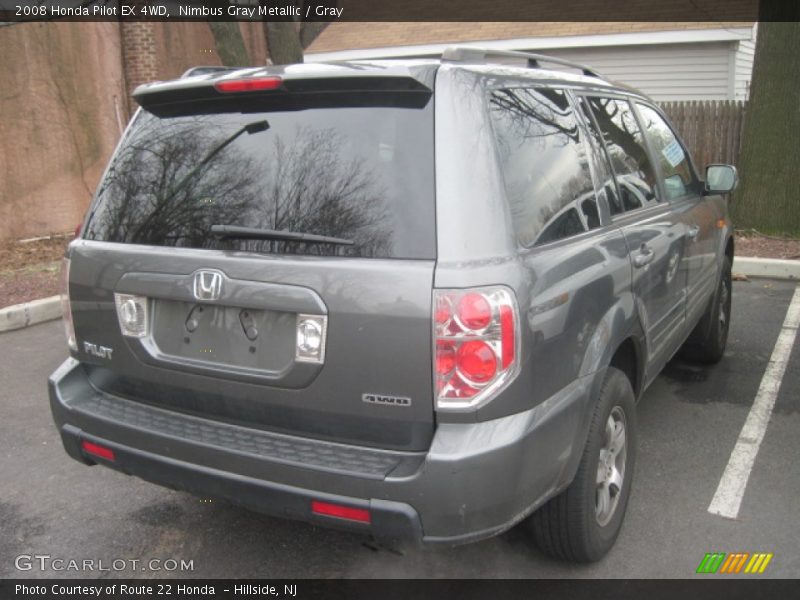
[(693, 231), (644, 256)]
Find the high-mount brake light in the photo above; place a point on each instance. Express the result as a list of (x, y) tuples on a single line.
[(251, 84), (476, 339)]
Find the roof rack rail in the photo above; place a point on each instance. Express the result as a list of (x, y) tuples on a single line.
[(473, 54), (205, 70)]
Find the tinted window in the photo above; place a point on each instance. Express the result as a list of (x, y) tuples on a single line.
[(547, 178), (363, 174), (602, 168), (626, 151), (676, 171)]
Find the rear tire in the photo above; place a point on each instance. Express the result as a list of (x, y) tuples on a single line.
[(582, 523), (707, 342)]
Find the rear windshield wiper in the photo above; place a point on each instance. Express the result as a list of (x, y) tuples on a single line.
[(250, 129), (253, 233)]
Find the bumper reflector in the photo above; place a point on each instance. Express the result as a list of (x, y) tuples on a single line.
[(342, 512), (98, 451)]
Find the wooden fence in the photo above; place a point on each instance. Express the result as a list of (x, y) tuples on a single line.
[(711, 129)]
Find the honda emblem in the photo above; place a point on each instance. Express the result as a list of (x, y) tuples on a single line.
[(207, 285)]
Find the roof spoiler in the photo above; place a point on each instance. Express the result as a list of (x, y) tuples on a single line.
[(207, 69)]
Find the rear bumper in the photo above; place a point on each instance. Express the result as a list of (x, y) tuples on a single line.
[(476, 480)]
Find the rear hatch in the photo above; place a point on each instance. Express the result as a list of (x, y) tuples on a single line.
[(203, 219)]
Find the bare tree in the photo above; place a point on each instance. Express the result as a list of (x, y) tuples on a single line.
[(164, 188), (229, 43), (286, 40)]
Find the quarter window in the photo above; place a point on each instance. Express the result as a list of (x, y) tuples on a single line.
[(544, 162)]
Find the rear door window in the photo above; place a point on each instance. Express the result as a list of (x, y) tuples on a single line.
[(360, 173), (605, 176), (676, 171), (544, 162), (627, 152)]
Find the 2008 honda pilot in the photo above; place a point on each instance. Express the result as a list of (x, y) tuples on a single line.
[(417, 299)]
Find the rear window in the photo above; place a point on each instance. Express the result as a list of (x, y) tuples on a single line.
[(359, 173)]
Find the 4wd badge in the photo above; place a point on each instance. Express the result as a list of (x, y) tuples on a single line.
[(389, 400)]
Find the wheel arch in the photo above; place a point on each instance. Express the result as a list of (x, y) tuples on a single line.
[(618, 341), (627, 358), (729, 248), (627, 353)]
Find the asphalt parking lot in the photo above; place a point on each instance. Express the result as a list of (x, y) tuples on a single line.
[(690, 420)]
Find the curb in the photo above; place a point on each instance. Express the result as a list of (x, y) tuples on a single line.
[(48, 309), (30, 313), (773, 268)]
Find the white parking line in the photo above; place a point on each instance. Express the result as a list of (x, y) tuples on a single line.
[(728, 497)]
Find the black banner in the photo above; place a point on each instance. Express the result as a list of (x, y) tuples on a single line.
[(723, 11)]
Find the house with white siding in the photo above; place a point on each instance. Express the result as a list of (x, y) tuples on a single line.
[(667, 61)]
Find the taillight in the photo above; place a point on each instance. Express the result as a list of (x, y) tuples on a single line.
[(251, 84), (474, 311), (66, 306), (310, 338), (477, 361), (476, 344), (132, 315)]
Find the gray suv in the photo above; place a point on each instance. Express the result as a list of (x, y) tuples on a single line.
[(415, 299)]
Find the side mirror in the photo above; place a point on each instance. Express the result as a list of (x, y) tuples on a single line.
[(721, 179)]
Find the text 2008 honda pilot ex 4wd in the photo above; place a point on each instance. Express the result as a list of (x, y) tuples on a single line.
[(416, 299)]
